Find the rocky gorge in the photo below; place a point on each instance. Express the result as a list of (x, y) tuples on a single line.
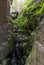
[(26, 37)]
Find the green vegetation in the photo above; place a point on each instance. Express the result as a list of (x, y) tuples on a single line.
[(28, 19), (28, 23)]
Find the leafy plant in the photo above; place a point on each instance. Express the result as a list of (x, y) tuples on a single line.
[(28, 19)]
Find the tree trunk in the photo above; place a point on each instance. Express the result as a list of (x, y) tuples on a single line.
[(4, 28)]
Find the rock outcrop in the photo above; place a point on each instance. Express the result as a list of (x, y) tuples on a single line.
[(36, 56), (5, 29), (28, 46)]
